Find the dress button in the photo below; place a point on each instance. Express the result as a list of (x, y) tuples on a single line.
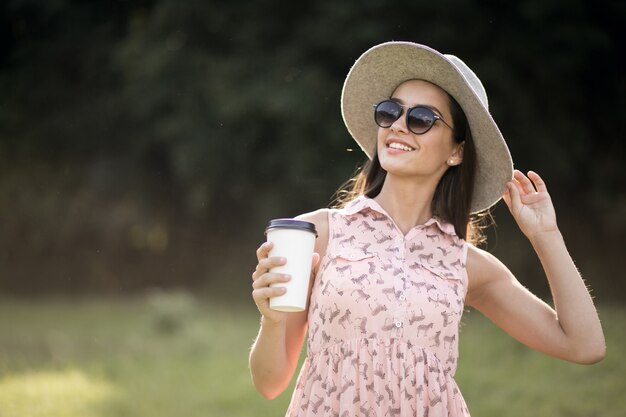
[(402, 297), (353, 256), (398, 324)]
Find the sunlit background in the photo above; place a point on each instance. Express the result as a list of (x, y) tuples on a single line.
[(144, 145)]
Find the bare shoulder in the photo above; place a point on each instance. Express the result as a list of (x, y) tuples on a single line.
[(483, 269), (478, 258), (320, 219), (317, 217)]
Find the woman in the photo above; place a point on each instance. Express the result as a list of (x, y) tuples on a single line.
[(395, 267)]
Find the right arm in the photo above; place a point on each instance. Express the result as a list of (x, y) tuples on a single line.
[(274, 355)]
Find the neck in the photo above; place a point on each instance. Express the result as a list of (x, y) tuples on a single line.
[(407, 200)]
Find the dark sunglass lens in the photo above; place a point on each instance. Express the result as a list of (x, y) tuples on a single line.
[(386, 113), (420, 119)]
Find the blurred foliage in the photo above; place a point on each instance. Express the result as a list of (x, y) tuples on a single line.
[(146, 143), (171, 310)]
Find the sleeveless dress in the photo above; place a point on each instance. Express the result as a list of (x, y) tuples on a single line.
[(383, 319)]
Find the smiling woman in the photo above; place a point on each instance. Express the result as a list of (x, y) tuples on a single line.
[(454, 181), (396, 263)]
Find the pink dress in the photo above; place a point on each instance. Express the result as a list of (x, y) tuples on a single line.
[(383, 319)]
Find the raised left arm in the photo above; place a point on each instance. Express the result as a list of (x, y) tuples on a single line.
[(571, 330)]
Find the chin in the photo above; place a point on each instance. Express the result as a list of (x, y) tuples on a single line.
[(396, 170)]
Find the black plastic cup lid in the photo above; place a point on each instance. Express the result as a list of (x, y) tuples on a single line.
[(291, 224)]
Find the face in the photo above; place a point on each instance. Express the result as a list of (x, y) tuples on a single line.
[(404, 153)]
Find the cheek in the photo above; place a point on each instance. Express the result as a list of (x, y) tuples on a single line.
[(440, 144), (381, 136)]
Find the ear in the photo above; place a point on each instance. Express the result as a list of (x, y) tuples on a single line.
[(456, 157)]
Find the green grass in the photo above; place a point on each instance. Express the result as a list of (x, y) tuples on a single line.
[(176, 355), (499, 376)]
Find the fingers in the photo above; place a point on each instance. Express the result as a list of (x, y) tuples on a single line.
[(538, 181), (512, 196), (530, 184), (269, 278), (266, 284), (316, 259), (262, 294), (266, 264), (263, 280), (524, 182), (264, 250)]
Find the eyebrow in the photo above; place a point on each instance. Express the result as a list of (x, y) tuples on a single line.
[(433, 108)]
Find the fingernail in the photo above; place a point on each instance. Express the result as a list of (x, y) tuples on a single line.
[(287, 277)]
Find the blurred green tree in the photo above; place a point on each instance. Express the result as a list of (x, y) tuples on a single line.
[(136, 136)]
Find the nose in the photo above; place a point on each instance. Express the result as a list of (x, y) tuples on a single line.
[(400, 124)]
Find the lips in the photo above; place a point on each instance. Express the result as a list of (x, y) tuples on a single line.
[(400, 145)]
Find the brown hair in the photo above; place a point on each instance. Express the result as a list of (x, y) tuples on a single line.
[(453, 195)]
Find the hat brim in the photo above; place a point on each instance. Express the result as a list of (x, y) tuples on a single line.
[(379, 71)]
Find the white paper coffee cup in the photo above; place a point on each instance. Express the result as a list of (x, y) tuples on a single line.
[(293, 240)]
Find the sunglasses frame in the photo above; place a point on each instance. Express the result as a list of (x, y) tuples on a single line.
[(408, 110)]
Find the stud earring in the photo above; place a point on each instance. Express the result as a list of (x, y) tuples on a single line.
[(451, 162)]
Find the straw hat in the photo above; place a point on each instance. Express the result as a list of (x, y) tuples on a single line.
[(377, 73)]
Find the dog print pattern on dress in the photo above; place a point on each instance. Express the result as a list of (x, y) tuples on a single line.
[(383, 319)]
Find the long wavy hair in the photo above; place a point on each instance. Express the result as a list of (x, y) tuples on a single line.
[(453, 195)]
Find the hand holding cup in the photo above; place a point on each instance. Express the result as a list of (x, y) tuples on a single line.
[(262, 279), (293, 240), (275, 276)]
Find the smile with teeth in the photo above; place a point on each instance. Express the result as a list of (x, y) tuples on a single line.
[(396, 145)]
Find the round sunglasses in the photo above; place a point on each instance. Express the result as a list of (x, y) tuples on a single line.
[(419, 119)]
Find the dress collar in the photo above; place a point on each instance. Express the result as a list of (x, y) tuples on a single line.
[(363, 202)]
